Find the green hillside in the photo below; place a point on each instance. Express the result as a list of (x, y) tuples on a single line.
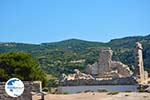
[(64, 56)]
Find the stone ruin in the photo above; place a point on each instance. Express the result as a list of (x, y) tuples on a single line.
[(79, 78), (74, 79), (139, 73), (106, 68), (25, 96), (29, 87), (77, 75), (108, 72)]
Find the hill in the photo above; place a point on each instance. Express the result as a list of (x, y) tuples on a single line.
[(62, 57)]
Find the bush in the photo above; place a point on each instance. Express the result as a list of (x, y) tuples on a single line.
[(128, 91), (52, 83), (113, 93), (20, 65), (45, 90), (65, 93), (126, 95), (102, 90), (86, 91)]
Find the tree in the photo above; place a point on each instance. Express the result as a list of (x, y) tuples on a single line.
[(20, 65)]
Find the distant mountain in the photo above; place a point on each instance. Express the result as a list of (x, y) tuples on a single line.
[(60, 57)]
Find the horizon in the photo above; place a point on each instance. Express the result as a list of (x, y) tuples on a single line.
[(35, 21), (74, 39)]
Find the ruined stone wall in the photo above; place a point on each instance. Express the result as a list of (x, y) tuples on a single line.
[(113, 81), (25, 96), (139, 70), (36, 86), (92, 69), (104, 63), (28, 88), (139, 73), (106, 68), (108, 72), (122, 69)]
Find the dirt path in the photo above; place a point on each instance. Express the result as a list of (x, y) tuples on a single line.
[(97, 96)]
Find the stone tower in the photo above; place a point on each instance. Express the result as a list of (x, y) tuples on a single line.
[(139, 68), (104, 62)]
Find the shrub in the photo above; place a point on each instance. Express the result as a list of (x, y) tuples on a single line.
[(113, 93), (102, 90), (126, 95), (65, 93), (20, 65)]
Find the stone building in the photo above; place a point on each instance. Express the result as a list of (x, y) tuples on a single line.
[(109, 72), (104, 62), (106, 68)]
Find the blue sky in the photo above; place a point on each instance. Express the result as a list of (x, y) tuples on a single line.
[(38, 21)]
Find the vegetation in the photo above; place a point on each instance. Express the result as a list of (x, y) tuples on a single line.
[(20, 65), (127, 95), (113, 93), (65, 93), (102, 90), (65, 56)]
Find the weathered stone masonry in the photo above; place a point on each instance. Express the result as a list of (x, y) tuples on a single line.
[(106, 68), (109, 72), (25, 96), (139, 73), (29, 87)]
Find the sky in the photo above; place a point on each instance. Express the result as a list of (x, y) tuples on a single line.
[(40, 21)]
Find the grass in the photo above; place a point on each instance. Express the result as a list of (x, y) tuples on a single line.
[(102, 90), (145, 96), (62, 93), (126, 95), (87, 91), (65, 93), (113, 93)]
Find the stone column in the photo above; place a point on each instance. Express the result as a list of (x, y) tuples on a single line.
[(37, 86), (139, 69)]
